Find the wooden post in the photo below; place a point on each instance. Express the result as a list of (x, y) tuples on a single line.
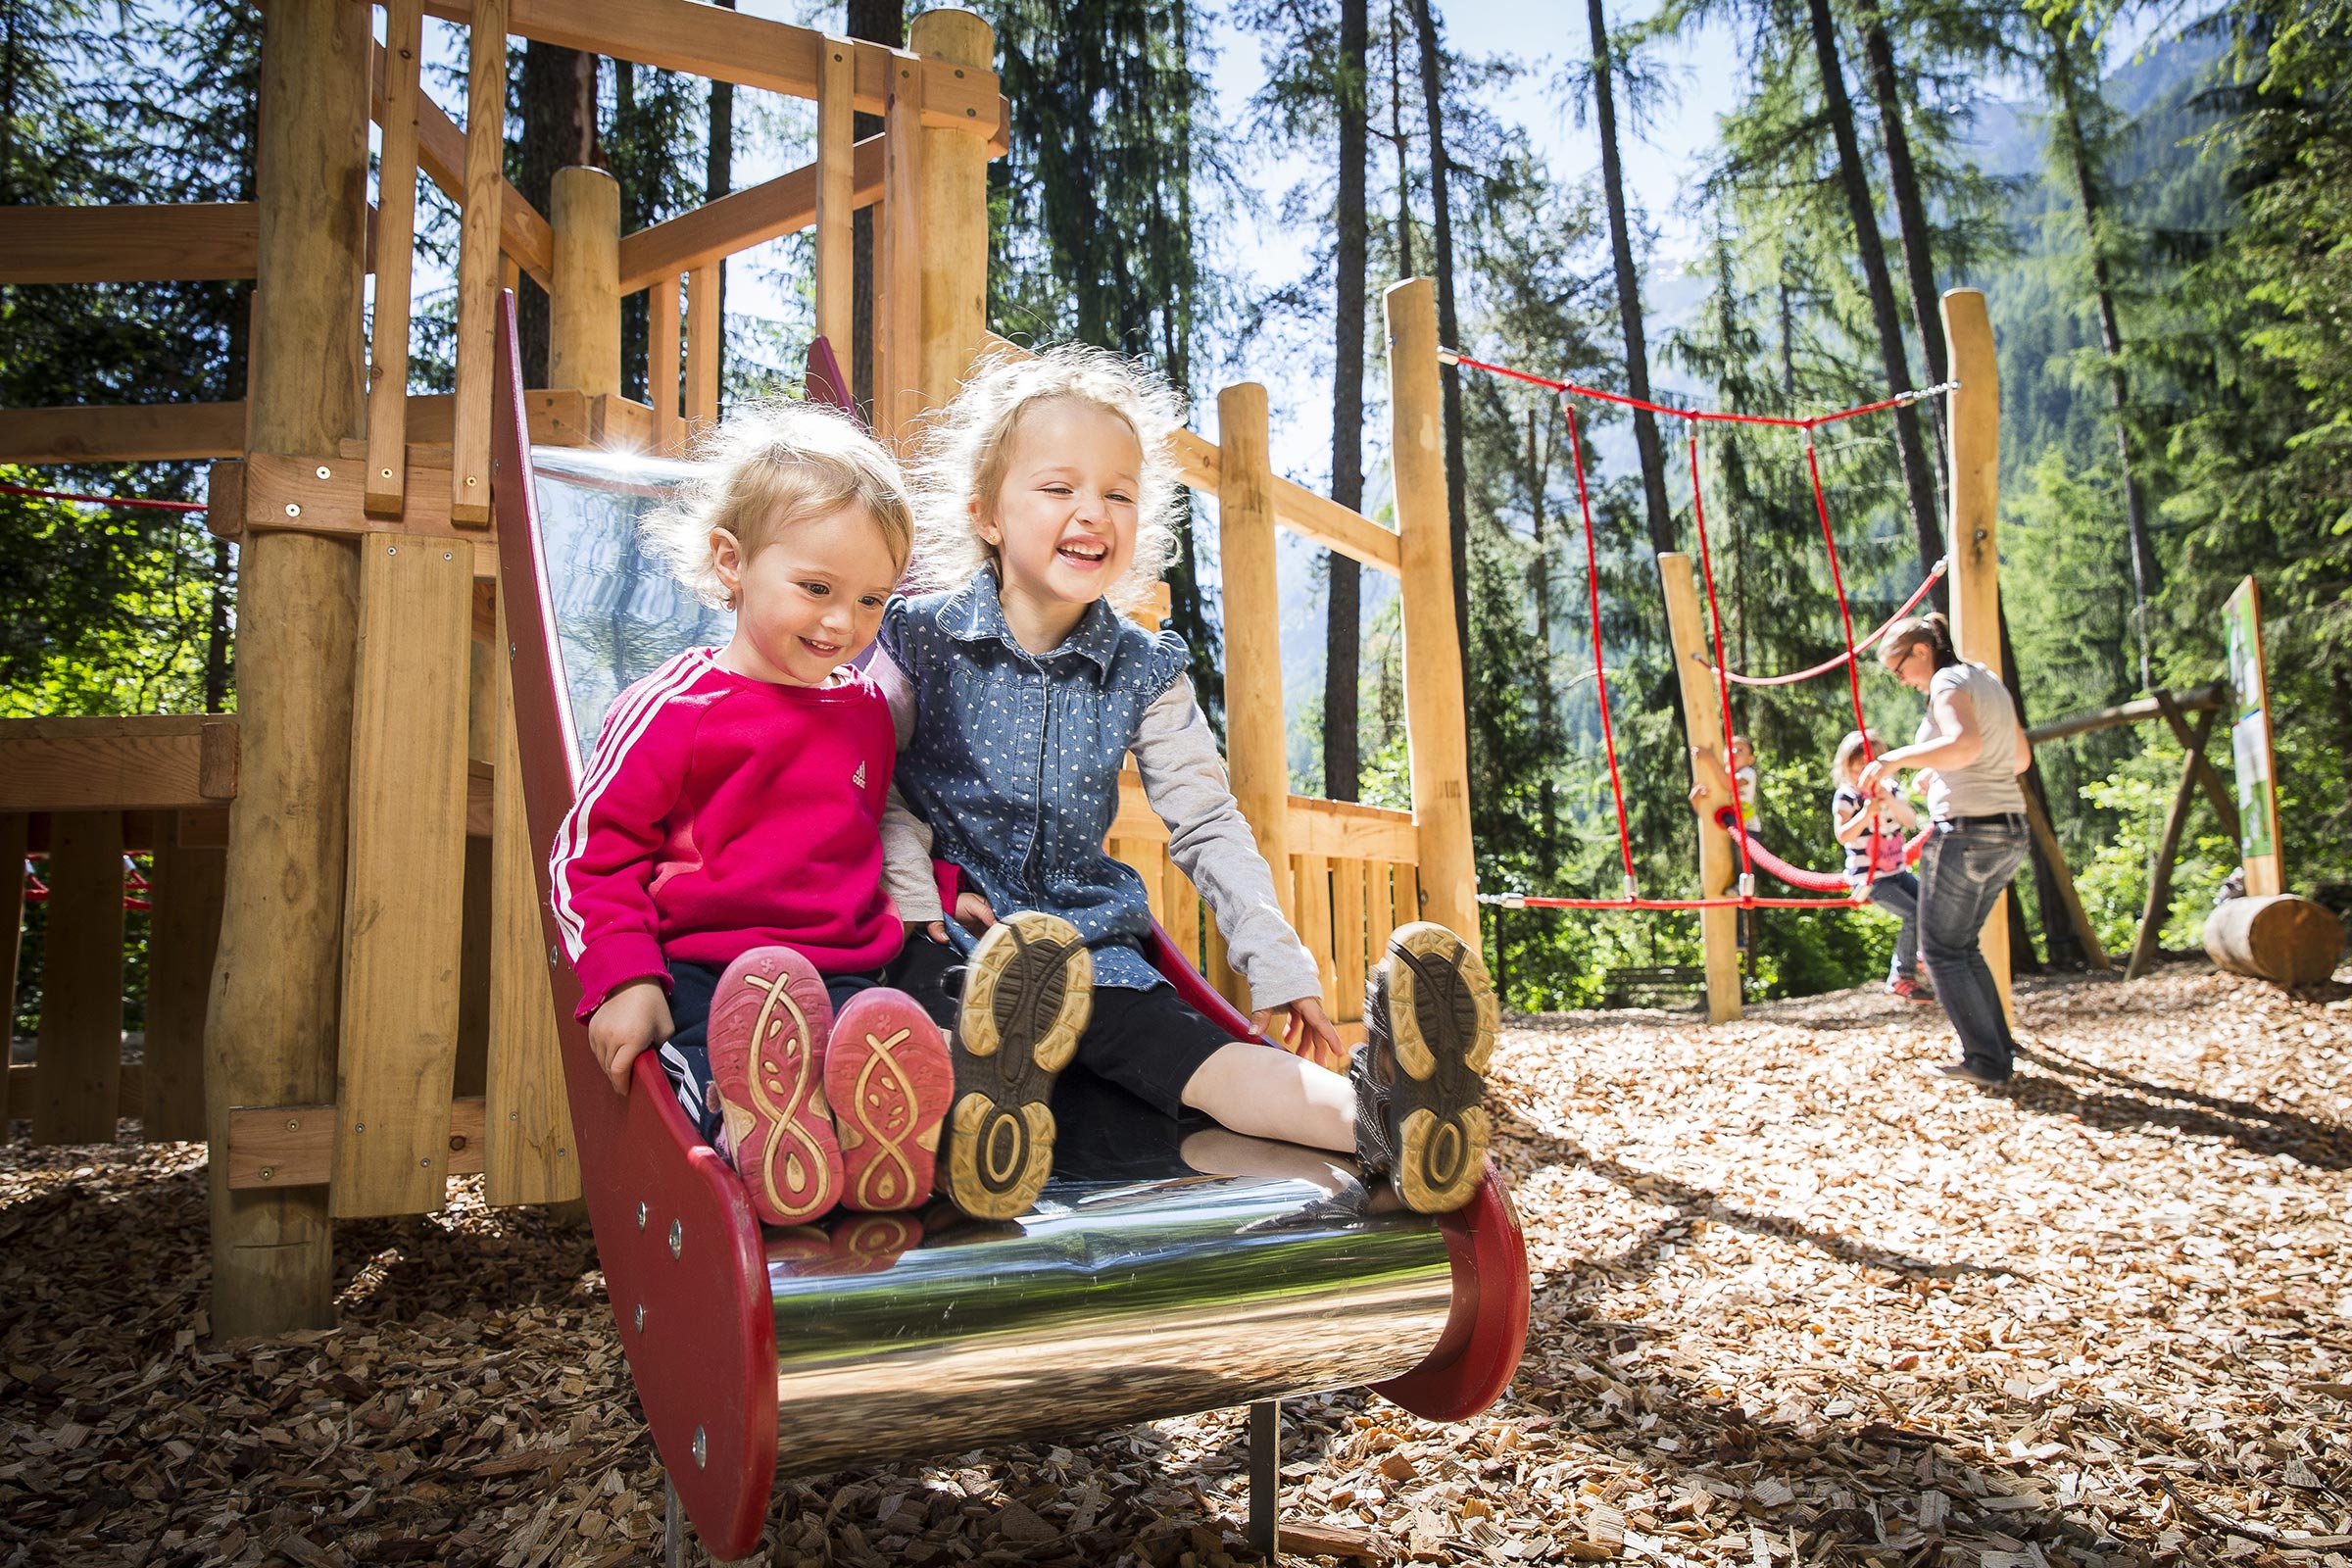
[(183, 941), (1436, 729), (835, 181), (15, 828), (75, 1098), (2158, 908), (270, 1031), (395, 255), (583, 337), (899, 269), (702, 327), (477, 262), (1718, 928), (1256, 750), (661, 367), (951, 200), (1975, 423)]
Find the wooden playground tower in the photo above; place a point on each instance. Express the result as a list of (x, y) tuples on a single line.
[(348, 985)]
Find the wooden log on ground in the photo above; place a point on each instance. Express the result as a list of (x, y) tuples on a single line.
[(2282, 937)]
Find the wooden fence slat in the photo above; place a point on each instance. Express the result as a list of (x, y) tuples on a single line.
[(1184, 913), (395, 258), (702, 348), (1405, 897), (836, 184), (661, 367), (1311, 878), (1348, 906), (528, 1156), (405, 894), (15, 828), (80, 1041), (899, 277), (185, 887), (1218, 968), (478, 262)]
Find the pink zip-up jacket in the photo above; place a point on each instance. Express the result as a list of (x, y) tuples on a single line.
[(722, 813)]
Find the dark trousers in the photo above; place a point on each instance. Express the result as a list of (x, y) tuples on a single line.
[(1898, 893), (1963, 873)]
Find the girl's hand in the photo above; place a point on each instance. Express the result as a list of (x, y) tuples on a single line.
[(1876, 774), (936, 930), (972, 913), (635, 1017), (1309, 1033)]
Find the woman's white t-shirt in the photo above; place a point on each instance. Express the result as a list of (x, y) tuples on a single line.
[(1987, 786)]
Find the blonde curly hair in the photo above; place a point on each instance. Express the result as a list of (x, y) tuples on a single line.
[(966, 445), (770, 467)]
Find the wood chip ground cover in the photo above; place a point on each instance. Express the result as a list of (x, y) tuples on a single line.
[(1795, 1305)]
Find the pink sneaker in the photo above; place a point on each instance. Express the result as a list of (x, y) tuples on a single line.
[(889, 1079), (768, 1019), (1909, 990)]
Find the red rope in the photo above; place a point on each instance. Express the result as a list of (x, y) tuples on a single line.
[(1847, 657), (1796, 876), (1846, 620), (1723, 687), (1531, 901), (102, 501), (1572, 388), (1600, 674)]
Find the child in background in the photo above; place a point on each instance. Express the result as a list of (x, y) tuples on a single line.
[(719, 881), (1745, 780), (1020, 689), (1872, 831)]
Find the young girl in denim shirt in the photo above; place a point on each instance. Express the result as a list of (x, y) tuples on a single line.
[(1018, 690)]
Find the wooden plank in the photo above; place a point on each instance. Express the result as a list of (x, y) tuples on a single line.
[(1317, 827), (151, 762), (80, 1042), (1434, 721), (1973, 418), (837, 155), (1349, 881), (139, 433), (396, 244), (620, 424), (1218, 968), (18, 1089), (1404, 895), (1380, 908), (403, 914), (749, 51), (525, 236), (478, 262), (661, 368), (1718, 929), (176, 242), (295, 1145), (2134, 712), (702, 329), (1256, 746), (2159, 905), (1310, 893), (557, 417), (898, 257), (15, 830), (741, 220), (952, 213), (1183, 918), (528, 1156), (185, 888)]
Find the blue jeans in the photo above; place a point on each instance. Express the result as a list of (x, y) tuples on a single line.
[(1898, 893), (1966, 868)]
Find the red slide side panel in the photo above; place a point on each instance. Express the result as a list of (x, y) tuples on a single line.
[(674, 1230), (1485, 1332)]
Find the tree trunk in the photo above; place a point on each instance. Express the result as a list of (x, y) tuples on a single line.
[(1656, 507), (2148, 573), (1450, 332), (1538, 589), (1400, 143), (881, 21), (1919, 477), (1343, 615), (1910, 212), (559, 130)]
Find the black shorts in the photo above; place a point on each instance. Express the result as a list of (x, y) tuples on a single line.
[(1149, 1043)]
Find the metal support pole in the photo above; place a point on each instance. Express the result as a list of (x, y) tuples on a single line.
[(1265, 1478)]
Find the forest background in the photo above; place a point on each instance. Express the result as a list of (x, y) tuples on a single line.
[(2157, 201)]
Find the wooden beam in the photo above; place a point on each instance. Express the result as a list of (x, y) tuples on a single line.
[(389, 338), (19, 1089), (80, 1045), (144, 763), (836, 191), (2216, 792), (2193, 700), (661, 368), (183, 939), (1718, 928), (294, 1146), (951, 214), (15, 830), (784, 205), (138, 432), (1975, 422), (583, 332), (899, 246), (2094, 954), (522, 233), (478, 262), (1347, 830), (2159, 905), (1436, 737), (703, 339), (176, 242), (1255, 749)]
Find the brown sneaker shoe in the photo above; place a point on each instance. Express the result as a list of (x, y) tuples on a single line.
[(1027, 995), (1430, 1019)]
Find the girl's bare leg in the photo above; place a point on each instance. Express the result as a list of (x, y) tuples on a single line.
[(1267, 1093)]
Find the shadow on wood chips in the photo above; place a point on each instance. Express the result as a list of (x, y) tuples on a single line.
[(1796, 1304)]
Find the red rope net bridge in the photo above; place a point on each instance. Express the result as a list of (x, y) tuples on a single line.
[(1733, 818)]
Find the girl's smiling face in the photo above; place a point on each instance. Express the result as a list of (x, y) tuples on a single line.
[(806, 601), (1064, 515)]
